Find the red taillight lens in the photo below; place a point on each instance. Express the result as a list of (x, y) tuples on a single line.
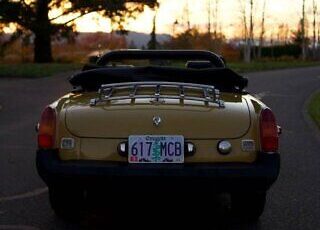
[(268, 131), (47, 129)]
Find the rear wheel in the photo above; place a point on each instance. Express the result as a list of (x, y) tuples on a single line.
[(248, 206), (67, 201)]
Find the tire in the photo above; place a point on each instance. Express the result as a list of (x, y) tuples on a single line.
[(67, 201), (249, 206)]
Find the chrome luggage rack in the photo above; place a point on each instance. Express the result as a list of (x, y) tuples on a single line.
[(106, 92)]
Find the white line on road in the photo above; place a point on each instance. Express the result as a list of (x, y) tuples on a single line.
[(33, 193), (17, 227)]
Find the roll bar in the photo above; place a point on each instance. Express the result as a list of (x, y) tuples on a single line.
[(187, 55)]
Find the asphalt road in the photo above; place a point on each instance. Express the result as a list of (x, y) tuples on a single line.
[(293, 202)]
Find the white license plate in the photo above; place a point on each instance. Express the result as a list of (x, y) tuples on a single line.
[(156, 149)]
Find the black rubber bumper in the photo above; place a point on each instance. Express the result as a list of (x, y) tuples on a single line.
[(258, 176)]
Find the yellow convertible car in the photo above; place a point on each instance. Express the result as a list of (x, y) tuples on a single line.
[(162, 120)]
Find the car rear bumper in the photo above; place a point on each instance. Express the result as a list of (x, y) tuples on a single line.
[(257, 176)]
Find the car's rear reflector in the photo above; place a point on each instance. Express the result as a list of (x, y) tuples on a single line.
[(47, 128), (269, 138)]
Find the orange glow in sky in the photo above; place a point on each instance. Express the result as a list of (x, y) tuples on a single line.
[(229, 17)]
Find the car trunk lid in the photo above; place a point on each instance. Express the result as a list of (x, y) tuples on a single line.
[(192, 119)]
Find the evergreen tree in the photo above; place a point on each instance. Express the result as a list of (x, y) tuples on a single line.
[(153, 44)]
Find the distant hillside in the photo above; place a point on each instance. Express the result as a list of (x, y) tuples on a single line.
[(136, 39), (133, 39), (142, 39)]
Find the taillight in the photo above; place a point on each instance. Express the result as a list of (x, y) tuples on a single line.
[(269, 138), (47, 128)]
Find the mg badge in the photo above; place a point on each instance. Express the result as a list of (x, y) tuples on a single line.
[(156, 120)]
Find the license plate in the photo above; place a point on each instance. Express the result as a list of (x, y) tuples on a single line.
[(156, 149)]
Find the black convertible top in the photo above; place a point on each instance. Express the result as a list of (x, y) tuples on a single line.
[(219, 76), (203, 55)]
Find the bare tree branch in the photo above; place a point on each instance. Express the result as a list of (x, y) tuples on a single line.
[(75, 18)]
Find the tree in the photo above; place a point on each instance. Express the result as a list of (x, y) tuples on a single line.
[(303, 32), (283, 33), (298, 37), (132, 45), (246, 38), (153, 44), (251, 38), (33, 15), (261, 43), (314, 11), (186, 15), (194, 39), (216, 14), (2, 41), (212, 13), (209, 16), (6, 41), (318, 39)]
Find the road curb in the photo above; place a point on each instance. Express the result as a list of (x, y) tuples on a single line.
[(308, 119)]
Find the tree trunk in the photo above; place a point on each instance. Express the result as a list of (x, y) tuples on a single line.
[(216, 19), (209, 17), (250, 41), (304, 53), (42, 32), (314, 29), (247, 57), (42, 47), (262, 30), (318, 34), (246, 48)]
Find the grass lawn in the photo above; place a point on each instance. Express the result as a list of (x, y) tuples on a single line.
[(269, 65), (314, 108), (31, 70)]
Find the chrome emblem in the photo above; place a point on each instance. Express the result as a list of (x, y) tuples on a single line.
[(156, 120)]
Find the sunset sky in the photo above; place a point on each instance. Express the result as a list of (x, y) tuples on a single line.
[(278, 11), (229, 17)]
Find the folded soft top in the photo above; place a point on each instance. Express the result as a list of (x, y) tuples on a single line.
[(222, 78)]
